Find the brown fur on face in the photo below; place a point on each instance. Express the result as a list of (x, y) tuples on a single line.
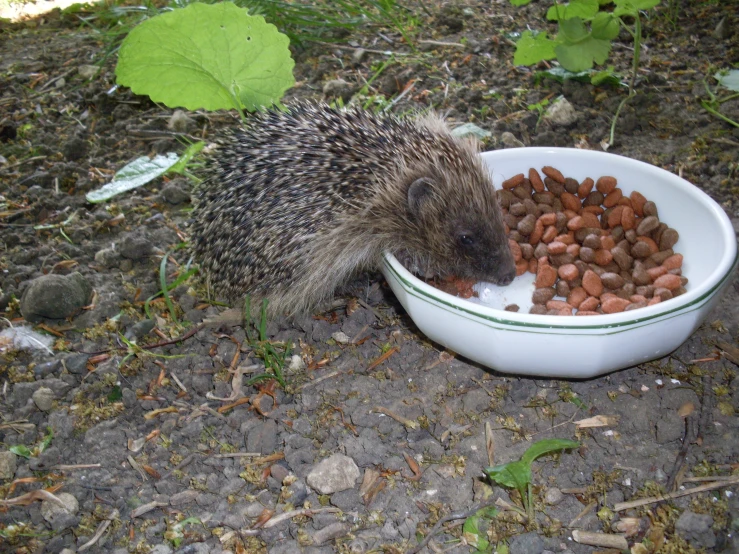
[(299, 202)]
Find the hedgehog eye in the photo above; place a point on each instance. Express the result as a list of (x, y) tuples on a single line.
[(466, 239)]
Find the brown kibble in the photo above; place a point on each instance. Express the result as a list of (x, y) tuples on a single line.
[(641, 250), (650, 208), (612, 281), (668, 239), (636, 305), (668, 281), (526, 225), (514, 181), (592, 241), (612, 198), (536, 181), (662, 293), (640, 276), (595, 198), (587, 254), (538, 309), (673, 262), (570, 202), (622, 258), (568, 272), (580, 234), (628, 218), (542, 295), (595, 210), (546, 276), (614, 305), (553, 173), (585, 187), (592, 283), (603, 257), (647, 225), (606, 184), (637, 202)]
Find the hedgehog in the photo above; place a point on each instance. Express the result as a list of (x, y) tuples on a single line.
[(298, 201)]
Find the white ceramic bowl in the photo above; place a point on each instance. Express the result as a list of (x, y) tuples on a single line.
[(582, 347)]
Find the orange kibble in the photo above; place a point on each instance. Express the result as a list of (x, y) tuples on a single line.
[(634, 298), (546, 276), (522, 267), (614, 216), (565, 311), (515, 250), (586, 187), (576, 297), (586, 312), (590, 304), (570, 202), (573, 249), (668, 281), (567, 238), (653, 248), (553, 173), (569, 214), (673, 262), (536, 233), (514, 181), (603, 257), (536, 181), (614, 305), (549, 234), (576, 223), (533, 265), (625, 201), (591, 283), (558, 305), (612, 198), (556, 247), (596, 210), (591, 219), (628, 218), (548, 219), (606, 184), (637, 202), (607, 242), (656, 272), (568, 272), (654, 300)]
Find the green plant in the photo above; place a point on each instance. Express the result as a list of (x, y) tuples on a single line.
[(274, 355), (584, 36), (177, 58), (728, 79), (25, 452), (517, 475), (474, 535), (540, 108)]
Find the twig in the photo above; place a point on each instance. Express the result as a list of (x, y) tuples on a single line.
[(441, 43), (101, 529), (383, 357), (589, 508), (620, 506), (600, 539), (314, 382), (400, 419), (294, 513), (729, 352), (78, 466), (239, 455)]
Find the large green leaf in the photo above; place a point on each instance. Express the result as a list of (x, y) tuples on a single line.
[(577, 8), (728, 79), (605, 26), (581, 56), (545, 447), (532, 48), (514, 475), (207, 56)]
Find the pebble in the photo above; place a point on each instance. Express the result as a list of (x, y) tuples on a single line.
[(335, 473), (330, 532), (76, 364), (180, 122), (60, 517), (341, 337), (561, 113), (55, 296), (553, 496), (135, 246), (696, 529), (174, 194), (139, 329), (335, 87), (43, 398), (8, 465), (107, 257)]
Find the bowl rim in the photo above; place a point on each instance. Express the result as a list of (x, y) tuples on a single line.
[(694, 296)]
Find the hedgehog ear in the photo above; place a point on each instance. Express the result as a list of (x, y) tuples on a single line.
[(418, 193)]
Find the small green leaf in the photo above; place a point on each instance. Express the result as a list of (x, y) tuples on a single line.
[(605, 26), (531, 49), (514, 475), (572, 30), (545, 447), (581, 56), (20, 450), (187, 156), (207, 56), (520, 2), (728, 79), (47, 440), (635, 5), (577, 8), (115, 394), (137, 173)]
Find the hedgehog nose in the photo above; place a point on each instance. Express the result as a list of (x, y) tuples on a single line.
[(507, 276)]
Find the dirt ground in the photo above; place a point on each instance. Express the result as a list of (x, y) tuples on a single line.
[(157, 447)]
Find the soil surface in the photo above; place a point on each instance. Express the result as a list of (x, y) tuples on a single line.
[(155, 445)]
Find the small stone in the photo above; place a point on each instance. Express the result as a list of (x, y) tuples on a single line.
[(174, 194), (510, 141), (553, 496), (335, 87), (296, 363), (526, 543), (76, 364), (139, 329), (334, 474), (8, 465), (55, 296), (87, 71), (135, 246), (180, 122), (60, 517), (341, 337), (107, 257), (43, 398), (330, 532), (358, 56), (696, 529), (262, 437), (75, 149), (561, 113)]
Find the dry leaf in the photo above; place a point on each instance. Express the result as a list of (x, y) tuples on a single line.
[(686, 409), (597, 421)]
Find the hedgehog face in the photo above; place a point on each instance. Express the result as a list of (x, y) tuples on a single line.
[(461, 233)]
